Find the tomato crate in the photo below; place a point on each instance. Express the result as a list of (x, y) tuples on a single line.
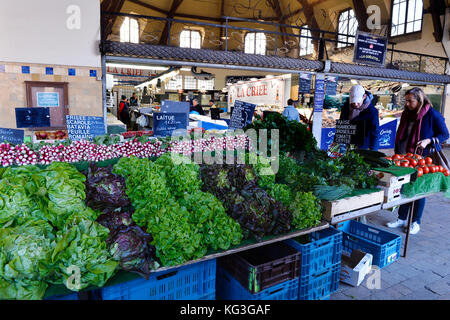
[(384, 246), (191, 282), (320, 250), (263, 267), (229, 288), (320, 286)]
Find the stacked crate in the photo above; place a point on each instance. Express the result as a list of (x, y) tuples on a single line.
[(320, 263)]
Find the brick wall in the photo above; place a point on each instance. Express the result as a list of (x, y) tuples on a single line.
[(85, 91)]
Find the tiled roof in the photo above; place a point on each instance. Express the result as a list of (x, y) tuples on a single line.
[(261, 61)]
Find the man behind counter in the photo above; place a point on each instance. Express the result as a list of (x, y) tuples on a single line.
[(196, 107)]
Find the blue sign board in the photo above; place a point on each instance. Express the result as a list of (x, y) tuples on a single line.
[(242, 114), (49, 71), (176, 107), (370, 49), (319, 95), (48, 99), (304, 83), (387, 135), (11, 135), (331, 87), (32, 117), (84, 127), (386, 138), (164, 124)]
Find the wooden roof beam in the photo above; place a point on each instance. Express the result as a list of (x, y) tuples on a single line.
[(165, 33), (361, 15)]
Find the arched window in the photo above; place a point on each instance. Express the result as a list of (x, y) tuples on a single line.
[(306, 44), (255, 43), (190, 39), (129, 31), (347, 28), (406, 16)]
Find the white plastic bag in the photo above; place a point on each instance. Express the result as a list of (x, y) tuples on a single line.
[(142, 121)]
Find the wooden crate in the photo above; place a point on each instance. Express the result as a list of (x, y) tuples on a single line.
[(341, 206), (387, 179), (392, 193)]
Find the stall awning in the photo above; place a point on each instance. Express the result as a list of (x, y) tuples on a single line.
[(238, 59)]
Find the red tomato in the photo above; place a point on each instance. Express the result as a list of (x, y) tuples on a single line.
[(432, 169), (441, 169), (405, 164), (446, 172), (396, 157), (388, 158), (409, 154), (421, 162), (418, 156), (413, 162), (428, 160), (420, 172), (426, 170), (397, 163)]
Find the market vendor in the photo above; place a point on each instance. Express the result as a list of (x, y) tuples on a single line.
[(359, 107), (196, 107), (419, 124), (290, 112)]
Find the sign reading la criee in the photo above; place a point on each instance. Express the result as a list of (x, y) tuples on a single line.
[(270, 92)]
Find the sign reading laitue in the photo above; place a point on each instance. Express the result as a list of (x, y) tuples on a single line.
[(370, 49), (164, 124), (84, 127)]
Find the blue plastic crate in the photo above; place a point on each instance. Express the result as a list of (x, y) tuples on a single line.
[(384, 246), (228, 288), (322, 252), (192, 282), (72, 296), (320, 286)]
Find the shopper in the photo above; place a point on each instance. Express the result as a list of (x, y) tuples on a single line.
[(359, 107), (196, 107), (133, 100), (124, 113), (212, 104), (419, 124), (290, 112)]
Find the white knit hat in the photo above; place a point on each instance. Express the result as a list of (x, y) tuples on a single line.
[(356, 94)]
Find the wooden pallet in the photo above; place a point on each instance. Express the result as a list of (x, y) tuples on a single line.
[(345, 205)]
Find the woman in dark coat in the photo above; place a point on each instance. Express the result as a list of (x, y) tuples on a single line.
[(419, 124)]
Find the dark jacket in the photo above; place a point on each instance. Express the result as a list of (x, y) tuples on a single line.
[(123, 113), (197, 108), (372, 125), (433, 125)]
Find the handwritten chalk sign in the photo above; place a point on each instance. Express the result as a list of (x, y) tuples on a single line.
[(331, 86), (12, 136), (242, 114), (304, 85), (164, 124), (32, 117), (84, 127), (349, 132)]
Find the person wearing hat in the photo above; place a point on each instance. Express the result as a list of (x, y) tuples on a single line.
[(359, 107)]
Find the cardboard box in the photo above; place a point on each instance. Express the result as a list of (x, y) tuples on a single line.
[(355, 266), (387, 179), (392, 193)]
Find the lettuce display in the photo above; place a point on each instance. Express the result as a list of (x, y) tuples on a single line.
[(169, 205), (306, 210), (45, 229), (237, 187), (105, 189)]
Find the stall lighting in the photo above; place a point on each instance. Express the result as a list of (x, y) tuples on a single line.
[(353, 81)]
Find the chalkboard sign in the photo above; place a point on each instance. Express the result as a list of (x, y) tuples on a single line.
[(85, 127), (349, 132), (331, 86), (370, 49), (32, 117), (11, 135), (164, 124), (242, 114), (304, 85)]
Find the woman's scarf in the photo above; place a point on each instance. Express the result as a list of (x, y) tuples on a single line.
[(414, 137)]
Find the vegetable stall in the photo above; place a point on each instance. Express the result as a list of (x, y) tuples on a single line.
[(83, 217)]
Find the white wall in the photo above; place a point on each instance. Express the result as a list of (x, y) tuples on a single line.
[(36, 31)]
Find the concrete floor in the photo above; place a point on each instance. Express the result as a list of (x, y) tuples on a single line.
[(424, 274)]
